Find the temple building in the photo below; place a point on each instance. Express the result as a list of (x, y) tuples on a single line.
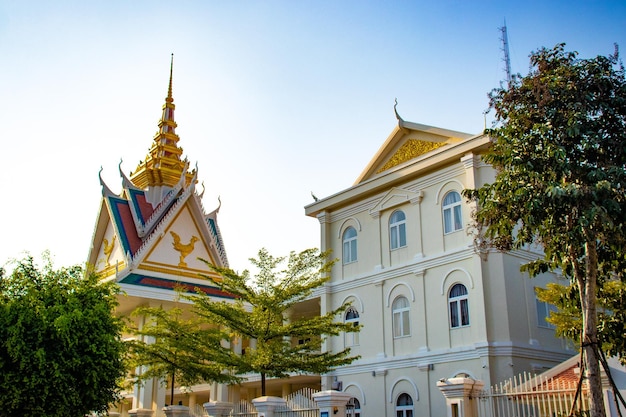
[(148, 238)]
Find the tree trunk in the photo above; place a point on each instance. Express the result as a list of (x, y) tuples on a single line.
[(262, 384), (590, 330)]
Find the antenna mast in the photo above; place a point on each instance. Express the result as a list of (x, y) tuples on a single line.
[(505, 49)]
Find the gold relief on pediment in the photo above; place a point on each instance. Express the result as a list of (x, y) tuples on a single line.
[(411, 149)]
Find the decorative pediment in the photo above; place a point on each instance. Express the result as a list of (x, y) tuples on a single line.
[(110, 256), (409, 150), (396, 197), (179, 247), (407, 142)]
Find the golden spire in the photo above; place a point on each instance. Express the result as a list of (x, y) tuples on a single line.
[(169, 98), (163, 165)]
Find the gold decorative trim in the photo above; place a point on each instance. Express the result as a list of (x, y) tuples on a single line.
[(110, 270), (108, 248), (410, 150), (176, 272)]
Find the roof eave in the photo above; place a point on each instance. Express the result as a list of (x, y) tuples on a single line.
[(396, 175)]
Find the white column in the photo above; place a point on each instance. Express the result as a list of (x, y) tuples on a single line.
[(332, 403), (461, 396), (267, 406)]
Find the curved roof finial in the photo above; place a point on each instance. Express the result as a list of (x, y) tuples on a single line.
[(169, 98), (106, 191), (395, 109)]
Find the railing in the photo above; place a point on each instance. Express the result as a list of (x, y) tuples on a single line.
[(244, 409), (532, 396), (300, 404), (198, 411), (297, 404)]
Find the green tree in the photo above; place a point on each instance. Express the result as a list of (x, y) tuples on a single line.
[(61, 352), (263, 311), (611, 299), (181, 348), (558, 149)]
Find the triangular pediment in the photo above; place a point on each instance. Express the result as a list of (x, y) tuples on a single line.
[(180, 246), (409, 142), (395, 197), (107, 254), (178, 233)]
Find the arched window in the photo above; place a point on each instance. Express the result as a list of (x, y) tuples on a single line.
[(459, 306), (404, 406), (352, 317), (353, 408), (452, 220), (401, 323), (349, 245), (397, 230)]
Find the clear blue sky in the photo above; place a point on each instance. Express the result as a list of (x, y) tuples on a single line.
[(274, 99)]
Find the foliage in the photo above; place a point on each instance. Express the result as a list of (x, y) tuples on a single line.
[(61, 352), (558, 149), (262, 313), (186, 349), (611, 299)]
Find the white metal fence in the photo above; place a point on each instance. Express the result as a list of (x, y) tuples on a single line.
[(297, 404), (532, 396)]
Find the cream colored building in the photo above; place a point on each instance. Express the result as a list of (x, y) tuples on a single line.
[(433, 304)]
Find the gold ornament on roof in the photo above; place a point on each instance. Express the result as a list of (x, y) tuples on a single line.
[(163, 166), (410, 150), (108, 248), (183, 249)]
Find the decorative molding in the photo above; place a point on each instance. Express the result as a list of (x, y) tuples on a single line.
[(447, 274), (394, 198), (397, 381), (411, 149)]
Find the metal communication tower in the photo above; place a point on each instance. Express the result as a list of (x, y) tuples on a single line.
[(505, 49)]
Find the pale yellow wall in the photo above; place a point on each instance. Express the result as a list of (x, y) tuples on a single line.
[(502, 338)]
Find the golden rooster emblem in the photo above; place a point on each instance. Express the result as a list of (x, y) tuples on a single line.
[(183, 249), (108, 248)]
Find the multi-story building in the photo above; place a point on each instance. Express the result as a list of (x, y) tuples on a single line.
[(433, 302)]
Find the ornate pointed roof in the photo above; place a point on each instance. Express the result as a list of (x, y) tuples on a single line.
[(155, 232), (163, 165)]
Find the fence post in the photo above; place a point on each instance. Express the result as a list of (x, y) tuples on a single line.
[(140, 412), (218, 408), (176, 411), (267, 406), (461, 396), (332, 403)]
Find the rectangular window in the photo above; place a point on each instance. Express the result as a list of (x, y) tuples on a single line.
[(543, 312), (454, 314), (447, 220), (464, 312), (394, 238), (402, 228)]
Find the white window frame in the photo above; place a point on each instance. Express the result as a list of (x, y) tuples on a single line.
[(452, 212), (397, 230), (349, 246), (353, 408), (543, 312), (352, 316), (401, 318), (405, 410), (458, 307)]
